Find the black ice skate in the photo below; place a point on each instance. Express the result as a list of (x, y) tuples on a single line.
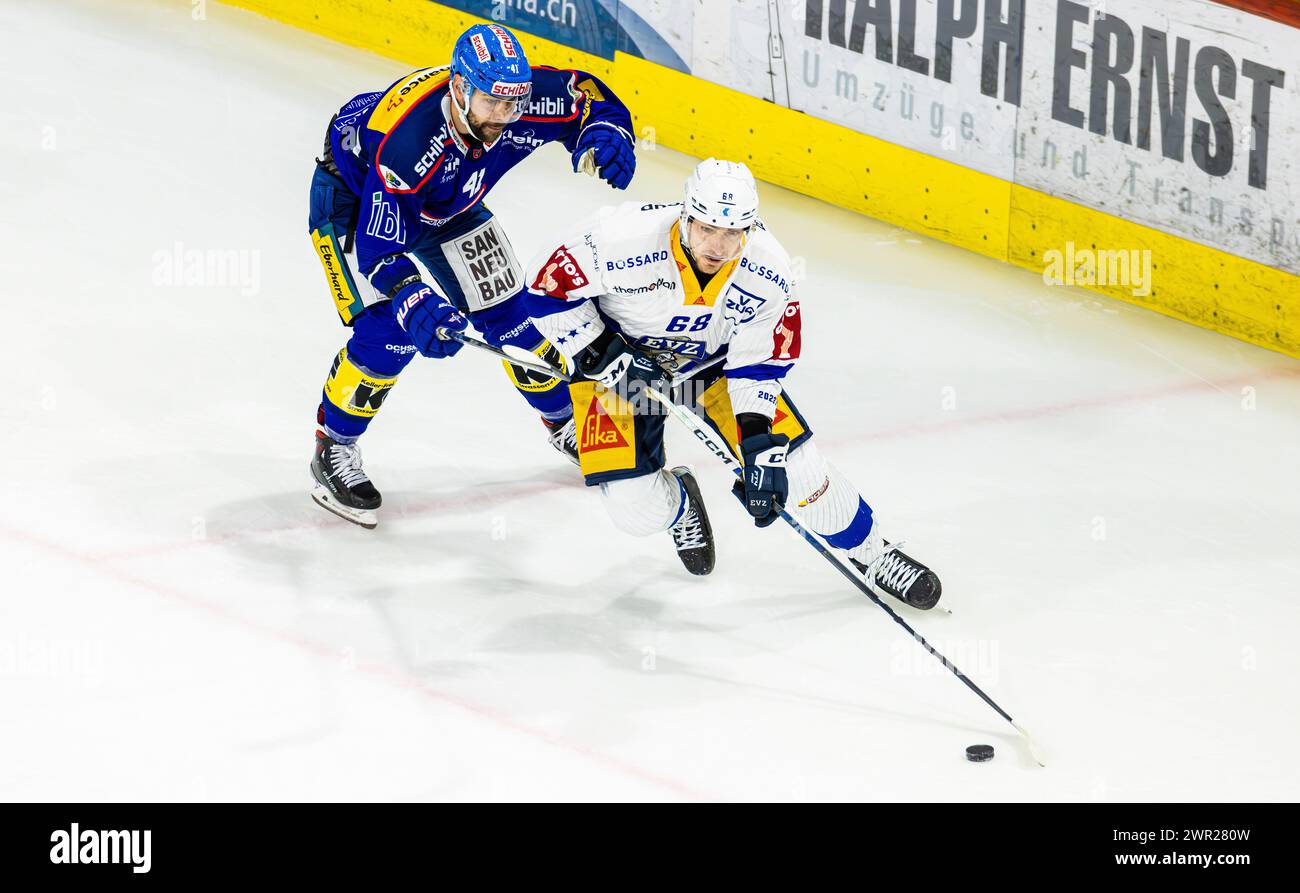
[(565, 439), (340, 485), (902, 576), (692, 533)]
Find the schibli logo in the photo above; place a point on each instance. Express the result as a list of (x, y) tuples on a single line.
[(549, 107), (507, 45), (599, 431), (640, 260), (501, 88), (480, 48), (77, 847), (428, 159)]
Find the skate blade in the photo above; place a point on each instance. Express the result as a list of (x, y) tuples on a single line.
[(361, 517)]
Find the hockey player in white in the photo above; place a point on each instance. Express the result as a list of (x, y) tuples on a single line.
[(701, 291)]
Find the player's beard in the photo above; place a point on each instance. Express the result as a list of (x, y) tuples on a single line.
[(487, 131)]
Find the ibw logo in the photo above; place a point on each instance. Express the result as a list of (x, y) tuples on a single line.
[(384, 221), (76, 847)]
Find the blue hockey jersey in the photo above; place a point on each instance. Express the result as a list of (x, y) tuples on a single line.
[(410, 167)]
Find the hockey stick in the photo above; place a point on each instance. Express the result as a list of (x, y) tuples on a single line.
[(532, 365), (706, 436), (538, 365)]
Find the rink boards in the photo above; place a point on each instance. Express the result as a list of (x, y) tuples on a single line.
[(1034, 158)]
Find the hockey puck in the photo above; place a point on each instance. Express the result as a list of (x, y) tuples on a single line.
[(979, 753)]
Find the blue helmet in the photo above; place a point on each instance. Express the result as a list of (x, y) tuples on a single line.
[(491, 61)]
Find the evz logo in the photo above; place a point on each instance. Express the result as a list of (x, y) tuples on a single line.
[(693, 349), (742, 306)]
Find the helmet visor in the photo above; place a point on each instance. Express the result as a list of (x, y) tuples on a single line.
[(496, 110), (714, 244)]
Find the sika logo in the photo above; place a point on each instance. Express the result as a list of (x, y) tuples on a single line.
[(75, 847), (599, 431)]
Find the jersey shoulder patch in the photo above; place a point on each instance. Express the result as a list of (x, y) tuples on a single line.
[(414, 145), (402, 96), (766, 263)]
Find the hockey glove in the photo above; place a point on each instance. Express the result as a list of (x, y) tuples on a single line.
[(421, 312), (611, 152), (763, 487), (610, 361)]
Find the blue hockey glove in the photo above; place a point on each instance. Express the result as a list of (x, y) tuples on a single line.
[(763, 487), (610, 360), (611, 151), (421, 312)]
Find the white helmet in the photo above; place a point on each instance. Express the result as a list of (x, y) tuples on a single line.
[(721, 193)]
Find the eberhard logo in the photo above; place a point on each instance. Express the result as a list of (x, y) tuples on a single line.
[(332, 271), (75, 847)]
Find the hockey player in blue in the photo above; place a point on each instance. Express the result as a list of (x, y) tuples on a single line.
[(403, 175)]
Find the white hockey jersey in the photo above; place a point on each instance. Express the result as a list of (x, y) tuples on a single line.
[(629, 268)]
